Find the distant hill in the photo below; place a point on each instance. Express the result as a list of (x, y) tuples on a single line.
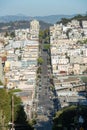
[(48, 19), (53, 18), (10, 22), (20, 25), (64, 21)]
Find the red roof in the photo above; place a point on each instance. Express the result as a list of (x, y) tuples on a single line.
[(4, 58), (62, 72)]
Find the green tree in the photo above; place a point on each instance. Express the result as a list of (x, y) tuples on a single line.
[(21, 120), (77, 17), (47, 46), (5, 106), (19, 58), (41, 35), (39, 70), (44, 34), (12, 34), (84, 78), (69, 115), (6, 34), (40, 60), (6, 110)]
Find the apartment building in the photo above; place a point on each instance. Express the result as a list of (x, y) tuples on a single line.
[(34, 30), (67, 57)]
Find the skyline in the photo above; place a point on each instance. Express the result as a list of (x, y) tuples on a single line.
[(42, 8)]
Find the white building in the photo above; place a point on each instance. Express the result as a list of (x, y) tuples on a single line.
[(34, 30), (1, 71)]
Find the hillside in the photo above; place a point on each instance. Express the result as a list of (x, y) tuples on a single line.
[(77, 17), (47, 19), (20, 25)]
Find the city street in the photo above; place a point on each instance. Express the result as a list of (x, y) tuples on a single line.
[(45, 109)]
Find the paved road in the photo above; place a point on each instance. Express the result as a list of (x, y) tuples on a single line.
[(45, 109)]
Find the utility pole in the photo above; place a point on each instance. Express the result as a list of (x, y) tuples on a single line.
[(12, 112)]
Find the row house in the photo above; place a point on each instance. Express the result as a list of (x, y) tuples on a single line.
[(75, 33), (66, 83), (22, 34), (84, 50), (73, 24), (76, 59), (68, 57), (76, 69), (21, 61), (84, 24)]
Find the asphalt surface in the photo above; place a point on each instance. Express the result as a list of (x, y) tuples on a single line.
[(45, 106)]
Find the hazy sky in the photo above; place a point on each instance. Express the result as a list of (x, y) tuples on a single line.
[(42, 7)]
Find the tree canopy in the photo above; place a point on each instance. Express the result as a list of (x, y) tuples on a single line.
[(6, 110), (40, 60), (44, 34), (68, 117), (78, 17), (5, 107)]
